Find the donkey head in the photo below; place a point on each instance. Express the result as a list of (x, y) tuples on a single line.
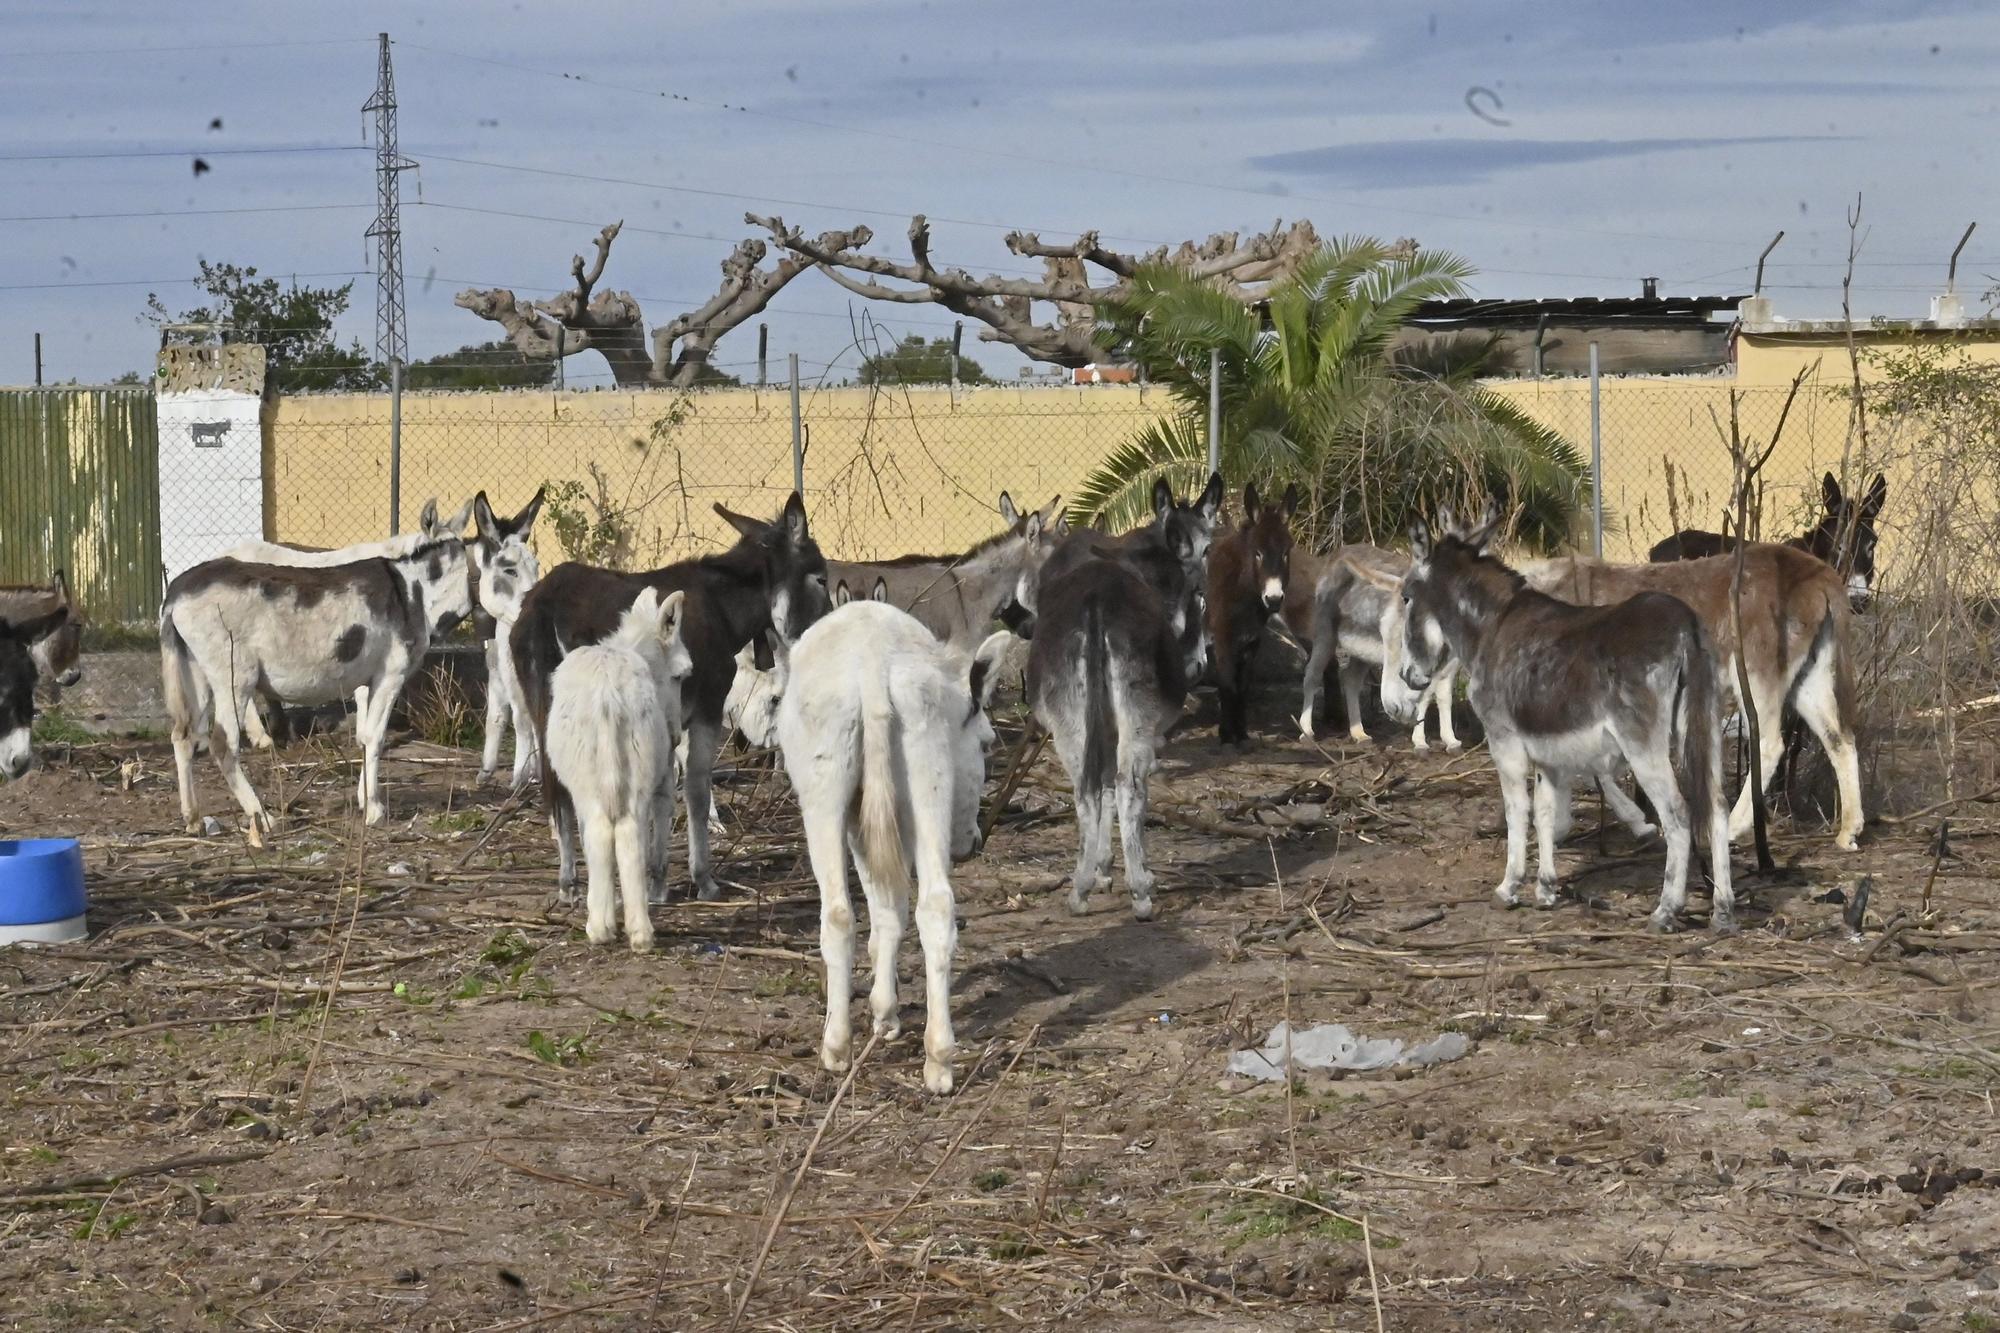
[(754, 694), (651, 627), (1188, 528), (17, 688), (442, 572), (1433, 600), (1038, 531), (505, 563), (59, 652), (1845, 534), (792, 569), (969, 746), (1267, 533)]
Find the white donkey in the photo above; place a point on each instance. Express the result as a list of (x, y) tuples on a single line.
[(507, 569), (230, 630), (614, 715), (884, 733), (1348, 617)]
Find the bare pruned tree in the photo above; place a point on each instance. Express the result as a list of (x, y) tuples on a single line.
[(1078, 278)]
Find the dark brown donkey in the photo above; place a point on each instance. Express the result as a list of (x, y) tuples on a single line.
[(1249, 569), (774, 575)]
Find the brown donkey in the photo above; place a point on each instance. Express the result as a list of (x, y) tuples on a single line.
[(1566, 691), (1249, 571)]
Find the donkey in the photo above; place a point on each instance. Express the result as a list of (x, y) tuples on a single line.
[(504, 569), (1796, 624), (957, 597), (428, 530), (1564, 690), (58, 652), (614, 715), (1344, 616), (884, 733), (229, 630), (1249, 570), (774, 575), (1841, 521), (18, 674), (1120, 632)]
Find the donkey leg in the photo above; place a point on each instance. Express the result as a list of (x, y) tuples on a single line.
[(886, 907), (1817, 702), (497, 713), (1654, 769), (1442, 692), (562, 827), (1135, 762), (1350, 694), (937, 932), (600, 860), (375, 733), (1623, 807), (1551, 788), (634, 884), (826, 845), (660, 841), (703, 737), (1315, 681), (227, 741), (1770, 749), (1511, 762)]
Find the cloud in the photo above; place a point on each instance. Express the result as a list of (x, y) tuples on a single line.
[(1392, 163)]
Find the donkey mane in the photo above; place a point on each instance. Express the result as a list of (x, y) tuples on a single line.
[(966, 556)]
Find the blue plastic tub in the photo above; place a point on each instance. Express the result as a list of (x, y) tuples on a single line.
[(41, 891)]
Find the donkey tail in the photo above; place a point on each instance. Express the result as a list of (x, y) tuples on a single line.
[(182, 685), (1100, 725), (881, 834), (1701, 726)]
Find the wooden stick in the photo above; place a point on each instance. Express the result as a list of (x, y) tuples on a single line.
[(791, 1190), (1374, 1288), (185, 1162)]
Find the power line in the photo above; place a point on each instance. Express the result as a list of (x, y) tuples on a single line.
[(183, 152), (180, 213), (170, 50), (669, 95), (156, 282)]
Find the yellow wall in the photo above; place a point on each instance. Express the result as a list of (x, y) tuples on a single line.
[(905, 470)]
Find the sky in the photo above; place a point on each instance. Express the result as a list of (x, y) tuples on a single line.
[(1564, 150)]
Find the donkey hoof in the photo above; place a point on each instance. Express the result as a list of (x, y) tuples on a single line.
[(1663, 921), (1420, 745), (600, 932), (1547, 893), (1453, 747), (1078, 902), (1359, 735), (833, 1058), (937, 1076), (1723, 923), (1142, 909), (1847, 843), (1508, 896), (641, 941)]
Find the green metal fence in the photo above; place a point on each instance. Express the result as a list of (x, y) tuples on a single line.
[(80, 491)]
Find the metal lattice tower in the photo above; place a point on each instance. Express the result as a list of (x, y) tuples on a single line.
[(392, 344)]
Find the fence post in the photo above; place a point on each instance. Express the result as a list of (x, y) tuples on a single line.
[(763, 346), (1596, 461), (798, 434), (395, 445), (1214, 410), (957, 334)]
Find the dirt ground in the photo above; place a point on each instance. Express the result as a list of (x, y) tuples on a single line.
[(366, 1081)]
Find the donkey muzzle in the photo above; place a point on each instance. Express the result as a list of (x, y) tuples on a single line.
[(70, 677), (1274, 595)]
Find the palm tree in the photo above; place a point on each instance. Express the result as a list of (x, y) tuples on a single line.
[(1315, 390)]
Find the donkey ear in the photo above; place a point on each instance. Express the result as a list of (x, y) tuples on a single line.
[(1420, 542), (1447, 522), (456, 524), (1033, 529), (985, 673), (670, 611), (1163, 498), (646, 605), (1878, 491), (881, 590), (1829, 490), (427, 519), (842, 595), (1052, 510), (482, 518), (1291, 500), (794, 519), (35, 628), (744, 524), (1249, 503), (1008, 514), (1211, 497), (525, 520), (1489, 523)]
